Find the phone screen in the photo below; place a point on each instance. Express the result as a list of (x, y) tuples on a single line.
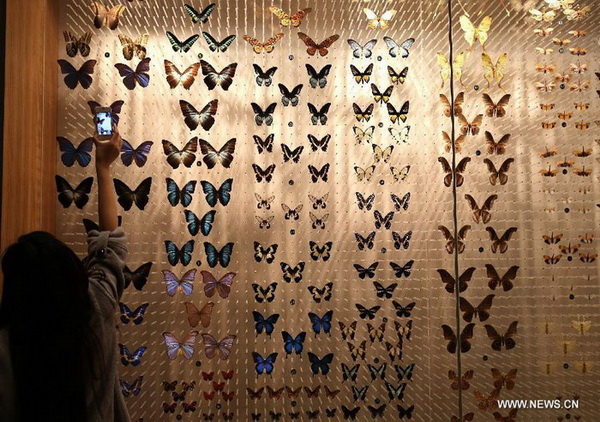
[(104, 123)]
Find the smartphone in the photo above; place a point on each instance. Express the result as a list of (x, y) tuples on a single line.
[(104, 123)]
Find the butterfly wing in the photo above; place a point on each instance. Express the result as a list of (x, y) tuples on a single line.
[(204, 117)]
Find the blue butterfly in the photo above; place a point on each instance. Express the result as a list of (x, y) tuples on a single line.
[(174, 254), (214, 195), (134, 388), (81, 154), (176, 195), (129, 154), (136, 316), (196, 224), (264, 365), (323, 323), (264, 324), (320, 365), (133, 359), (215, 257), (293, 344)]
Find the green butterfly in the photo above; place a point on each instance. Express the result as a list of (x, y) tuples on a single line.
[(184, 46)]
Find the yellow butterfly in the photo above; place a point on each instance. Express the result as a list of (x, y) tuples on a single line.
[(400, 175), (382, 154), (364, 174), (472, 33), (457, 65), (557, 4), (581, 326), (577, 14), (542, 16), (492, 71), (363, 135), (544, 51), (542, 32), (286, 20), (584, 367), (375, 22)]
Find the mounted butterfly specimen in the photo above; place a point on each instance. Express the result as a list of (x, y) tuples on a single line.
[(321, 324), (403, 311), (186, 78), (365, 204), (470, 128), (223, 156), (498, 175), (203, 225), (290, 20), (263, 47), (480, 311), (176, 195), (265, 175), (316, 174), (318, 222), (361, 135), (375, 22), (348, 332), (264, 145), (458, 102), (127, 197), (396, 49), (202, 16), (215, 45), (133, 47), (292, 213), (457, 67), (290, 97), (466, 335), (137, 316), (363, 115), (72, 154), (505, 340), (460, 169), (204, 117), (398, 78), (402, 242), (493, 71), (265, 254), (506, 281), (318, 252), (482, 213), (397, 116), (500, 243), (76, 45), (139, 76), (474, 33), (496, 109), (321, 294), (264, 77), (215, 196), (350, 414), (264, 203), (216, 257), (175, 254), (381, 221), (185, 156), (319, 202), (404, 270), (464, 381), (293, 345), (184, 285), (319, 144), (494, 147), (400, 203), (367, 242), (135, 388), (67, 195), (139, 155), (262, 324), (264, 294), (313, 47), (263, 116), (103, 16), (77, 77), (359, 51), (292, 274), (384, 292), (360, 393), (366, 272), (138, 277), (320, 115), (320, 365), (221, 348), (115, 108), (212, 78), (380, 97), (449, 237), (451, 282), (364, 76)]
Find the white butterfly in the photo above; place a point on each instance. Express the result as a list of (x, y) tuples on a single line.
[(363, 135), (400, 135), (365, 50), (378, 22), (394, 47)]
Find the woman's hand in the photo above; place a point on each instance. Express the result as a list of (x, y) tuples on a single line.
[(108, 152)]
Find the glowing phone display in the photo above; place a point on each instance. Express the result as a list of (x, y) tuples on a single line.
[(104, 123)]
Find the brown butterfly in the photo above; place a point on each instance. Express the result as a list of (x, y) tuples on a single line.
[(204, 117), (544, 68), (331, 394), (581, 106), (565, 163), (457, 142), (105, 16), (586, 238), (565, 115), (505, 340), (458, 102), (582, 172), (562, 77), (494, 147), (505, 281), (255, 395), (588, 258), (500, 243), (186, 78), (552, 259), (578, 33), (450, 281), (578, 51), (507, 380), (552, 239), (263, 47), (583, 152), (81, 44), (489, 402), (548, 125), (548, 153), (512, 414), (549, 173), (582, 125), (462, 233), (579, 86), (293, 394), (312, 393), (460, 168), (466, 335), (196, 316), (464, 381), (275, 394), (496, 109), (481, 311), (313, 47), (135, 46), (482, 213), (547, 107), (472, 127), (498, 175), (467, 417), (569, 249)]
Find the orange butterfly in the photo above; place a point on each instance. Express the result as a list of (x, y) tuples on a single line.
[(565, 115), (583, 152), (561, 42), (582, 125), (582, 172), (548, 153), (565, 163), (582, 106), (549, 172), (548, 125), (579, 87), (578, 51), (546, 107), (552, 259), (579, 68), (472, 127), (578, 33), (545, 86), (543, 68), (562, 77)]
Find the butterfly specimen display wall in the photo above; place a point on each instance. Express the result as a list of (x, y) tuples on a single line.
[(288, 182)]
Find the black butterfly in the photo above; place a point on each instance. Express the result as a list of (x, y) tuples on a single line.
[(401, 204), (292, 213), (267, 254), (318, 78), (402, 242), (201, 17), (204, 117), (380, 97), (265, 116), (264, 77), (289, 155), (377, 411), (264, 223), (359, 394), (128, 197), (367, 313), (214, 45), (350, 373), (316, 144), (362, 77), (318, 174), (381, 221), (256, 416), (365, 204), (320, 252), (365, 242), (363, 115), (263, 145), (75, 77), (331, 412), (203, 225), (350, 414), (312, 414), (292, 273), (320, 294), (318, 202), (318, 116), (224, 156), (275, 416), (139, 277), (385, 292), (266, 174), (185, 156), (397, 77), (184, 46), (402, 412), (212, 78), (377, 372), (264, 294), (318, 222), (403, 311), (398, 116), (67, 195), (402, 271), (366, 272), (290, 97)]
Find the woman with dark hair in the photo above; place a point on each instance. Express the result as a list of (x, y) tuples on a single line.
[(58, 341)]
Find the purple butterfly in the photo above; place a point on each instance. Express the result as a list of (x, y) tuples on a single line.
[(74, 77), (173, 284), (135, 388), (139, 154), (176, 348), (140, 75), (81, 154)]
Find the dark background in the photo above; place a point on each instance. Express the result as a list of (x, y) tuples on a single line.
[(2, 49)]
